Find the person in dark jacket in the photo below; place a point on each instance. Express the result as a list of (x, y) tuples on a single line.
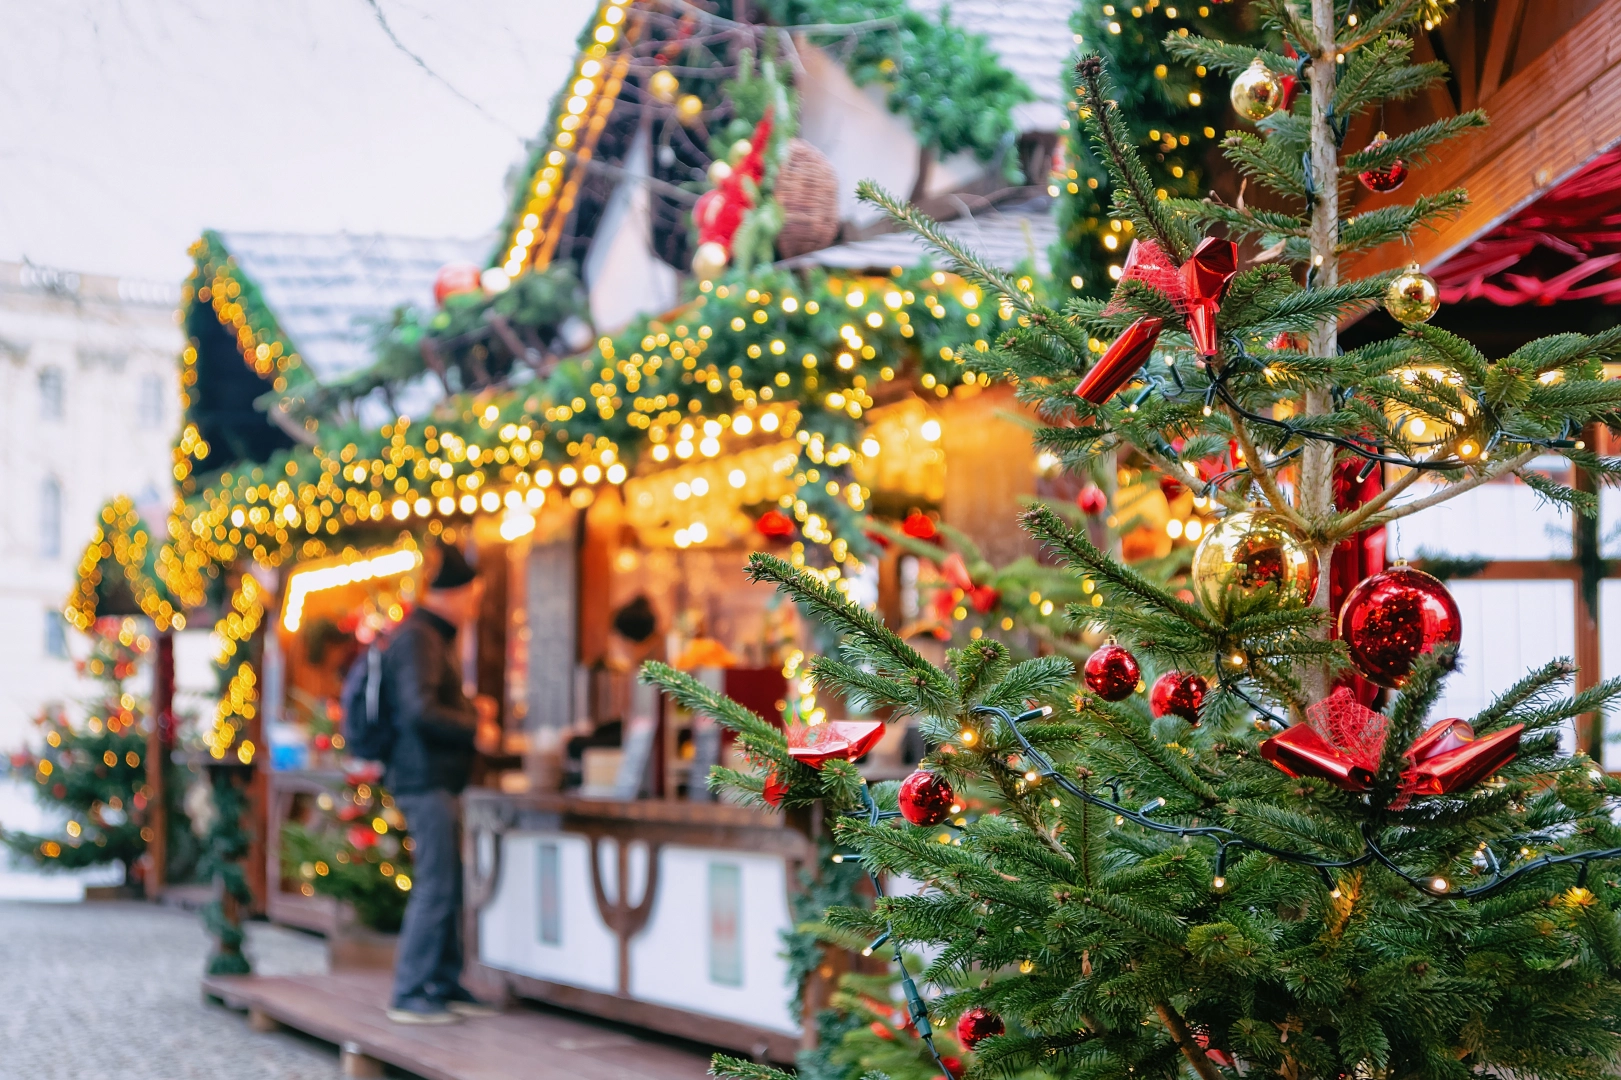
[(437, 731)]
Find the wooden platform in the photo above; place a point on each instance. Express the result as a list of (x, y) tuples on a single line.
[(347, 1009)]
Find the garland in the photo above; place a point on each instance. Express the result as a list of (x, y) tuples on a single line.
[(122, 537)]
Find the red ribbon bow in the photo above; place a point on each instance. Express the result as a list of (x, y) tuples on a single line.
[(1342, 742), (1204, 278)]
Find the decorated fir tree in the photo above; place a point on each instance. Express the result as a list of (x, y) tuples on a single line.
[(93, 771), (1248, 870)]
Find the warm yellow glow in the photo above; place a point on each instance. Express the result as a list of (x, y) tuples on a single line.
[(516, 522), (303, 583), (930, 430), (742, 425), (567, 476)]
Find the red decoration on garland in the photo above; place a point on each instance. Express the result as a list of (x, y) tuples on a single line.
[(1179, 693), (774, 525), (978, 1024), (1120, 362), (955, 571), (453, 279), (718, 213), (1092, 500), (919, 526), (1112, 672), (845, 740), (1392, 618), (1342, 742), (1386, 178), (925, 799)]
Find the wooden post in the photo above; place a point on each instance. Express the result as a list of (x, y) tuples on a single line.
[(1590, 569), (158, 738)]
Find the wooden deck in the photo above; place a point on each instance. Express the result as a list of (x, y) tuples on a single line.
[(346, 1009)]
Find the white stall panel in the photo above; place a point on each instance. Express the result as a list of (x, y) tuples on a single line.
[(1509, 627), (1493, 521), (543, 920), (1609, 635), (713, 943)]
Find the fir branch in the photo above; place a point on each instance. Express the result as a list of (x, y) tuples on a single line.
[(1223, 55), (1412, 145), (1452, 491), (1364, 231), (1134, 189), (1270, 165), (1552, 492)]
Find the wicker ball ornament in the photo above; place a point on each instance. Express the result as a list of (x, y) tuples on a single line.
[(978, 1024), (808, 192), (1250, 561), (1412, 297), (1112, 673), (1178, 693), (1255, 93), (1392, 618), (925, 799)]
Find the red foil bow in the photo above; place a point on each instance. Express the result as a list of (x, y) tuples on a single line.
[(817, 744), (1204, 279), (1342, 742), (1128, 353)]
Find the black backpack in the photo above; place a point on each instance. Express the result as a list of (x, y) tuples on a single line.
[(368, 715)]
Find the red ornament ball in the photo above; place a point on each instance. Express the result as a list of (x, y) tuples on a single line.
[(925, 799), (1392, 618), (1112, 672), (774, 525), (1180, 693), (774, 790), (453, 279), (977, 1024), (1092, 500), (919, 526), (1388, 177)]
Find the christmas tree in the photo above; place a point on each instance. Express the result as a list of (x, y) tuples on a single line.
[(1247, 869), (354, 848), (93, 770)]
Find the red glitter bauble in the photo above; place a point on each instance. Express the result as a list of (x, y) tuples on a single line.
[(925, 799), (977, 1024), (1180, 693), (1392, 618), (1112, 672), (1092, 500), (1386, 178)]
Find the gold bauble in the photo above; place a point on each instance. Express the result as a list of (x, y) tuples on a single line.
[(1256, 93), (1251, 561), (1412, 297), (689, 108), (663, 85), (709, 261)]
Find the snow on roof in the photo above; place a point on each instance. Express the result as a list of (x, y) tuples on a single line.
[(328, 290), (1005, 237), (1033, 40)]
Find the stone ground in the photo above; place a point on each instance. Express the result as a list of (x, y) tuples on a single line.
[(110, 991)]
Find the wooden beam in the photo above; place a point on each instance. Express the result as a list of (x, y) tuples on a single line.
[(1557, 114), (1504, 32)]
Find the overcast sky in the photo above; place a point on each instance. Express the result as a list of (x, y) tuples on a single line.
[(128, 126)]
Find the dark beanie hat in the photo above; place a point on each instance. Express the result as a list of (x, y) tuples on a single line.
[(454, 571), (636, 620)]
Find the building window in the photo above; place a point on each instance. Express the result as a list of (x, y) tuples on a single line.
[(150, 406), (50, 394), (50, 518), (56, 635)]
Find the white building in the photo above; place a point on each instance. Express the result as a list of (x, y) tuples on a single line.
[(88, 408)]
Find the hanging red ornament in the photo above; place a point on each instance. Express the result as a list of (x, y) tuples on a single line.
[(817, 744), (1170, 487), (774, 790), (1120, 361), (1179, 693), (978, 1024), (919, 526), (454, 279), (1112, 672), (925, 799), (774, 525), (1394, 617), (1092, 500), (1387, 177)]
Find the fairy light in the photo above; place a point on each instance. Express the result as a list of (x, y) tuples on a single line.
[(305, 583)]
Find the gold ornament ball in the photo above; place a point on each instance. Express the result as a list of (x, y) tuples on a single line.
[(663, 86), (1251, 561), (1412, 297), (689, 108), (709, 261), (1256, 93)]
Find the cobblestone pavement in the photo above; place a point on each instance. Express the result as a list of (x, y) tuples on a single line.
[(109, 991)]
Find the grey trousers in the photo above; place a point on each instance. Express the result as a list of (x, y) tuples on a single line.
[(428, 959)]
